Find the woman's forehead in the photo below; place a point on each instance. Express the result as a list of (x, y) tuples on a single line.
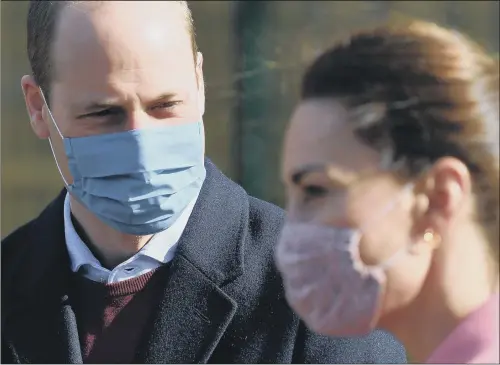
[(321, 134)]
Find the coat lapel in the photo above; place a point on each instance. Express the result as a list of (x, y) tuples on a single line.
[(195, 311), (46, 335), (193, 316), (41, 325)]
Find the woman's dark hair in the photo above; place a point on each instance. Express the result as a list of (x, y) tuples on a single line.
[(418, 93)]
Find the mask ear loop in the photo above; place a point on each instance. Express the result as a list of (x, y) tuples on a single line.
[(390, 261), (391, 205), (50, 141), (428, 236)]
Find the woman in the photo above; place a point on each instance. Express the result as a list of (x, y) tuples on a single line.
[(392, 175)]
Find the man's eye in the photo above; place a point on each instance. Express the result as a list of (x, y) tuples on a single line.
[(105, 113), (102, 113), (166, 105)]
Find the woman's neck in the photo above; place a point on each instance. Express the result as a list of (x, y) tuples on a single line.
[(456, 286)]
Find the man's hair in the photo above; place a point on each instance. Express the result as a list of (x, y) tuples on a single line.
[(41, 25)]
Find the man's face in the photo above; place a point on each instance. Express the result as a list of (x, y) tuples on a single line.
[(118, 66)]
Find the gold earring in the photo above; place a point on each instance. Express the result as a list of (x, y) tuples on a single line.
[(431, 237), (428, 236)]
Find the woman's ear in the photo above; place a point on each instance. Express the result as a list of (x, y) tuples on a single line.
[(450, 188), (440, 198)]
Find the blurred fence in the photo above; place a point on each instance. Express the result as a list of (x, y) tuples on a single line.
[(254, 52)]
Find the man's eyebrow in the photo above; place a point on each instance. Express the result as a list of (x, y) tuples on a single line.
[(163, 96), (94, 105), (99, 106)]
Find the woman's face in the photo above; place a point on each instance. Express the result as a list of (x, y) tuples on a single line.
[(349, 189)]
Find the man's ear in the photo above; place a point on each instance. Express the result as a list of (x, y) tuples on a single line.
[(201, 82), (35, 105)]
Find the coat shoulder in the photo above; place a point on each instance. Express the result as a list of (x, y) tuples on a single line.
[(13, 248), (25, 238), (265, 219)]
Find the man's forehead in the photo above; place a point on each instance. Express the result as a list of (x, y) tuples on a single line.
[(81, 16), (110, 6), (110, 38)]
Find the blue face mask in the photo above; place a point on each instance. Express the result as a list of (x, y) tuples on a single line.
[(137, 181)]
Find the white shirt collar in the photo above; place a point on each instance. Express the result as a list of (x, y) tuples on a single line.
[(160, 248)]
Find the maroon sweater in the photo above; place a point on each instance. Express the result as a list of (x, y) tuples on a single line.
[(112, 318)]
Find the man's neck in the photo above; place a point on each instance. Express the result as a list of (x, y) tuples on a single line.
[(108, 245)]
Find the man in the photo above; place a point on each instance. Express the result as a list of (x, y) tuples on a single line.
[(153, 256)]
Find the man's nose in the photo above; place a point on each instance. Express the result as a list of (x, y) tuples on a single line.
[(139, 119)]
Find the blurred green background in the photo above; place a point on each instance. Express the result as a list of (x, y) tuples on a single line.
[(254, 54)]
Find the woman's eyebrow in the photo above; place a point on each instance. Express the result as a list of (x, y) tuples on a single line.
[(340, 177), (301, 172)]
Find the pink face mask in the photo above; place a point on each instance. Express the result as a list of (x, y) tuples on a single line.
[(325, 281)]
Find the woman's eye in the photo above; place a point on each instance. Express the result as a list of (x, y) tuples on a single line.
[(314, 191)]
